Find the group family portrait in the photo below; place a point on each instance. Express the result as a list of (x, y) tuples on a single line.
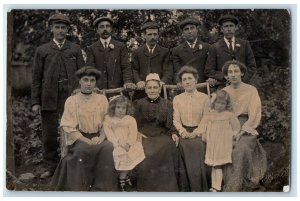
[(149, 100)]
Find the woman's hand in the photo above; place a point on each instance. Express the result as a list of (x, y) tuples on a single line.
[(85, 140), (237, 137), (185, 134), (175, 138), (193, 135)]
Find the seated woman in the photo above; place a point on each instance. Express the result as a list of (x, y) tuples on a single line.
[(160, 169), (189, 108), (249, 160), (89, 163)]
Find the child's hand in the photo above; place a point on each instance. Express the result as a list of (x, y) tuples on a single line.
[(126, 147)]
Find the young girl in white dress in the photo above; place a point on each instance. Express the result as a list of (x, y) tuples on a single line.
[(218, 128), (121, 130)]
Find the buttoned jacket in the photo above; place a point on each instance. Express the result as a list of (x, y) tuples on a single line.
[(48, 61)]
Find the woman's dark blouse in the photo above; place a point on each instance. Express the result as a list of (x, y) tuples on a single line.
[(154, 117)]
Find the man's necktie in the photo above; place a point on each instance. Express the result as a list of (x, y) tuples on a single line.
[(60, 45), (231, 50), (105, 45)]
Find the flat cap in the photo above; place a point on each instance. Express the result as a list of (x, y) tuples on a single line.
[(59, 18), (150, 25), (100, 19), (228, 18), (188, 21)]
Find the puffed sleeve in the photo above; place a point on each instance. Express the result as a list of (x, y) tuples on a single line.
[(69, 121), (176, 116), (254, 113), (107, 127), (201, 129), (132, 131), (235, 124)]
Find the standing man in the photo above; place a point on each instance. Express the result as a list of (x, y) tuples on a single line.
[(192, 51), (151, 58), (110, 57), (229, 48), (53, 80)]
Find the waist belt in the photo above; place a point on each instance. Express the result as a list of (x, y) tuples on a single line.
[(89, 135), (190, 128)]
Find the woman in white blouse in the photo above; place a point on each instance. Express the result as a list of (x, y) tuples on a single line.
[(188, 111), (89, 163), (249, 162)]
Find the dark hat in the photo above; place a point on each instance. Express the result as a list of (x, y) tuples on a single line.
[(99, 19), (228, 18), (150, 25), (59, 18), (188, 21), (88, 71)]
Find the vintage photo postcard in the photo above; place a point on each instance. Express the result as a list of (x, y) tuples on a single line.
[(149, 100)]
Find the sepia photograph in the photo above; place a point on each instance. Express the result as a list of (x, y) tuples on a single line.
[(149, 100)]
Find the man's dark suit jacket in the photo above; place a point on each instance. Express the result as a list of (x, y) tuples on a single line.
[(158, 62), (196, 57), (112, 62), (48, 60), (219, 53)]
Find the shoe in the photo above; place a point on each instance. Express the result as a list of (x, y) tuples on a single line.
[(212, 189), (122, 185), (128, 181), (46, 175)]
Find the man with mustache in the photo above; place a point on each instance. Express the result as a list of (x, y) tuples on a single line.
[(53, 80), (229, 48), (110, 57), (192, 52), (150, 58)]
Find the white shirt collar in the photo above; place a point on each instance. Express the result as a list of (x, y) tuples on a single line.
[(233, 41), (57, 43), (192, 45), (150, 48), (105, 40)]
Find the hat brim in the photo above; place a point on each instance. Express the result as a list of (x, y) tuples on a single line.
[(97, 21)]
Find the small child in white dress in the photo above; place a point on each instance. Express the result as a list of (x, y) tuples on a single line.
[(121, 129), (218, 128)]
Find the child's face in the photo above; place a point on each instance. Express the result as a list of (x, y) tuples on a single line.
[(120, 110), (220, 105)]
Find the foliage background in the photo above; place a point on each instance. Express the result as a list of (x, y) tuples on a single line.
[(268, 30)]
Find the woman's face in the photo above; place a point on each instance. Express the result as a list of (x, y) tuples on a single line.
[(152, 89), (120, 110), (234, 74), (189, 82), (87, 84)]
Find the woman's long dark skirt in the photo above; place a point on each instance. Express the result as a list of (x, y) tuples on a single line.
[(162, 169), (193, 154), (86, 168)]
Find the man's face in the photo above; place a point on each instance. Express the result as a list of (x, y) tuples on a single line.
[(228, 29), (190, 32), (151, 36), (59, 30), (104, 29)]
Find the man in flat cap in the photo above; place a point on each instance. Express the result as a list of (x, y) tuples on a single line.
[(192, 51), (110, 57), (53, 80), (229, 48), (151, 58)]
